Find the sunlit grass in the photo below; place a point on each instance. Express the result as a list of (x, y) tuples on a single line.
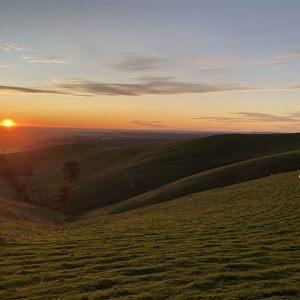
[(240, 242)]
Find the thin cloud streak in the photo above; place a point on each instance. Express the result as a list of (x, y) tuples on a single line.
[(295, 87), (138, 63), (288, 55), (22, 90), (267, 117), (6, 67), (253, 117), (46, 59), (150, 124), (145, 87), (211, 60), (13, 47), (221, 63)]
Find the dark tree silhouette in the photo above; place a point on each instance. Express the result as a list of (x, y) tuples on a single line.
[(28, 172), (71, 170), (20, 189), (64, 195), (12, 176), (134, 181), (131, 180)]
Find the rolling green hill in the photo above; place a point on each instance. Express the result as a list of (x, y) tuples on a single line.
[(11, 210), (238, 242), (104, 171), (214, 178), (24, 222)]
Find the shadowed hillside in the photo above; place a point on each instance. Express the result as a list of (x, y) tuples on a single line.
[(214, 178), (107, 174)]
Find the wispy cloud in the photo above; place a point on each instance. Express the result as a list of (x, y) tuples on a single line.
[(288, 55), (46, 59), (211, 60), (295, 87), (34, 56), (141, 62), (13, 47), (134, 62), (150, 124), (6, 67), (146, 86), (23, 90), (217, 64), (254, 117), (143, 86)]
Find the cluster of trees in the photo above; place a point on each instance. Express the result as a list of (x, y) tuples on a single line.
[(20, 180), (71, 170), (17, 178)]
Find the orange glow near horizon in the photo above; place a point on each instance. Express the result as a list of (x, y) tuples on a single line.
[(8, 123), (205, 112)]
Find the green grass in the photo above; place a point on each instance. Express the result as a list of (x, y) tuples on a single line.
[(102, 179), (238, 242), (214, 178), (220, 240), (26, 222)]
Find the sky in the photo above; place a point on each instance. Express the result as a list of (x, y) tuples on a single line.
[(159, 65)]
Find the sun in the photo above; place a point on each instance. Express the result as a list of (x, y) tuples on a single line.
[(8, 123)]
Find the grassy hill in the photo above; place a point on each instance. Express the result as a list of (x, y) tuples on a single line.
[(238, 242), (103, 175), (24, 222), (11, 210), (214, 178)]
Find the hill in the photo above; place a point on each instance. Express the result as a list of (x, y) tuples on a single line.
[(107, 174), (24, 222), (214, 178), (238, 242)]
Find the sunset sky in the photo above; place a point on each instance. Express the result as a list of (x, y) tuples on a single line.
[(202, 65)]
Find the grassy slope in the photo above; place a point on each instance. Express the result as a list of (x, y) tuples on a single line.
[(24, 221), (18, 211), (214, 178), (102, 182), (238, 242)]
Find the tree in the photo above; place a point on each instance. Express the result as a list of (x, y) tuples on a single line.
[(71, 170), (28, 171), (20, 189), (64, 195), (12, 175), (134, 180)]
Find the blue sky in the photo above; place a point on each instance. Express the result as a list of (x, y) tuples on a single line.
[(206, 65)]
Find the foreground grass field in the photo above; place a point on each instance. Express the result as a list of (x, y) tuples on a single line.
[(238, 242)]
